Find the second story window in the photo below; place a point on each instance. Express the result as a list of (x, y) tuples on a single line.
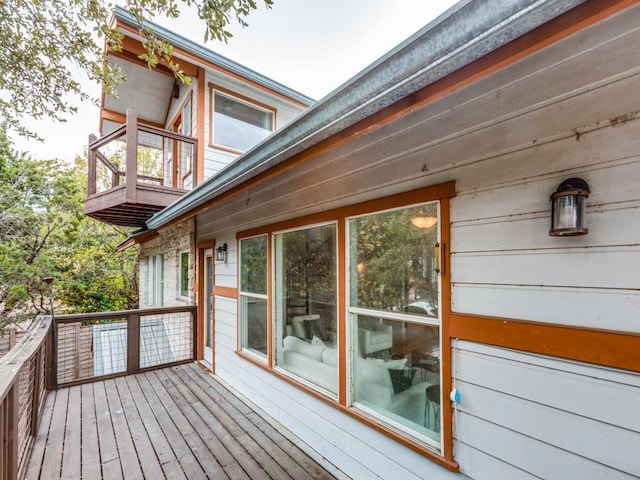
[(237, 124)]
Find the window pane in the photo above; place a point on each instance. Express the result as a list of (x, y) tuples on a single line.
[(392, 261), (396, 372), (238, 125), (253, 265), (254, 323), (184, 274), (306, 313)]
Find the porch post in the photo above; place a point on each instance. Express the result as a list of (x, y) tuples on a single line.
[(91, 177), (133, 343), (132, 155)]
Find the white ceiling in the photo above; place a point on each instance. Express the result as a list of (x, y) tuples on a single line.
[(148, 92)]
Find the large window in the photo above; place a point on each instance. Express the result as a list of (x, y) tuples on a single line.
[(253, 294), (352, 308), (238, 124), (394, 320), (305, 302)]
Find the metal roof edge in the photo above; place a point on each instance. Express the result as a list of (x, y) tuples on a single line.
[(464, 33), (183, 43)]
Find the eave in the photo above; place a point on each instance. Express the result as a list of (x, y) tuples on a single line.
[(461, 36)]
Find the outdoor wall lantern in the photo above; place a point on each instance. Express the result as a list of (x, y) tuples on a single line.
[(221, 253), (567, 208)]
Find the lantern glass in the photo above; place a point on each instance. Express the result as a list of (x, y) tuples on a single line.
[(568, 213), (565, 212)]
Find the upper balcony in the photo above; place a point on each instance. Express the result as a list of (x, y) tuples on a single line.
[(137, 170)]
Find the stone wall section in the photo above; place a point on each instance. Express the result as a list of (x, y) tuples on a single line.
[(170, 243)]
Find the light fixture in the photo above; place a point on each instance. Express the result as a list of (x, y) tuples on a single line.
[(221, 253), (567, 208), (424, 221), (176, 89)]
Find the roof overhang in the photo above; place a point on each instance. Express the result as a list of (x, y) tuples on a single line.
[(150, 91), (465, 33), (137, 237)]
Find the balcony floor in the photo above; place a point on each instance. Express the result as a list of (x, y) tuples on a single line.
[(177, 422)]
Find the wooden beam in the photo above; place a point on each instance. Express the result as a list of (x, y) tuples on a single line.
[(132, 156)]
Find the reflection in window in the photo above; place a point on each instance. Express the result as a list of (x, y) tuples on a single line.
[(393, 264), (253, 294), (394, 319), (239, 125), (184, 274), (305, 300)]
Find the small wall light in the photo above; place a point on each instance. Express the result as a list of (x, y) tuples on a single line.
[(221, 253), (176, 89), (567, 208)]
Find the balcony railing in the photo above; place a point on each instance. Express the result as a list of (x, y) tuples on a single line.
[(24, 378), (75, 349), (137, 170)]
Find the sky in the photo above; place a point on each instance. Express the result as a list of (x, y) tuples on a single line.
[(312, 46)]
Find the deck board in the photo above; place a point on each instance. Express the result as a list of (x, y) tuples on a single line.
[(174, 423)]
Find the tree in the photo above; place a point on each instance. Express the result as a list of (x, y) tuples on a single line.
[(45, 44), (43, 232)]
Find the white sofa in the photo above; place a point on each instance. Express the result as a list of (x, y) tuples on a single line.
[(318, 363)]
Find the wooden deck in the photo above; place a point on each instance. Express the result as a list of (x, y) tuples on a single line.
[(172, 423)]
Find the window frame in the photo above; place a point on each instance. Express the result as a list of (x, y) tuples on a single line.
[(272, 290), (442, 455), (353, 312), (155, 280), (235, 96), (259, 296), (181, 278)]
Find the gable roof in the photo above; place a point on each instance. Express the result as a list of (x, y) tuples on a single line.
[(181, 43), (466, 32)]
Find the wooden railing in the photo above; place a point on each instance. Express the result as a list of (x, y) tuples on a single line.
[(82, 348), (102, 345), (135, 154), (24, 378)]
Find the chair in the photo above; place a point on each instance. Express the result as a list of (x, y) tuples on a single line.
[(432, 408)]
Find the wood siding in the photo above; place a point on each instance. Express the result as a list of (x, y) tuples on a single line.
[(545, 418), (507, 140)]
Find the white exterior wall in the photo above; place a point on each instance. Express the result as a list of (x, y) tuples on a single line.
[(524, 416), (508, 141), (170, 244)]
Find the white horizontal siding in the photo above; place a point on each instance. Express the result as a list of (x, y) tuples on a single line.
[(603, 309), (507, 140), (547, 417)]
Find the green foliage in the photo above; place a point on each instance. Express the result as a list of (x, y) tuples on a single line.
[(46, 46), (393, 259), (44, 232)]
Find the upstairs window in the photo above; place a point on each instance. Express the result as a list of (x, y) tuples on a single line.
[(239, 124)]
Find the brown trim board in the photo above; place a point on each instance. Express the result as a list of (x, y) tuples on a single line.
[(601, 347)]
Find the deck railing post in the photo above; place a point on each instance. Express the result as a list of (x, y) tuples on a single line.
[(35, 406), (132, 155), (133, 343), (50, 376), (11, 438), (194, 333), (91, 175)]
